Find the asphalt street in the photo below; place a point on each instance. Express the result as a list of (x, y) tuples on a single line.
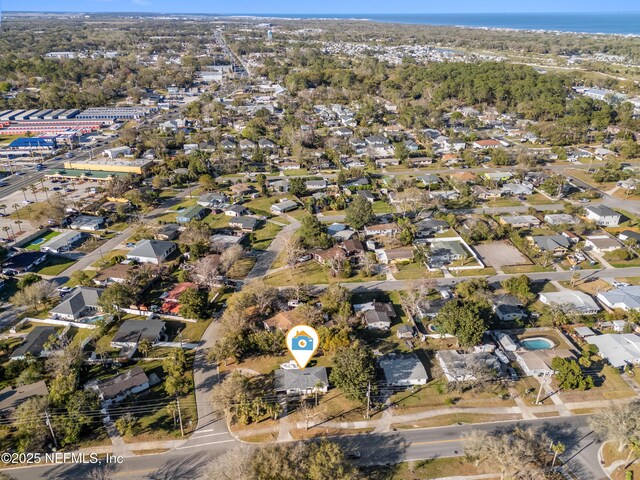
[(189, 462)]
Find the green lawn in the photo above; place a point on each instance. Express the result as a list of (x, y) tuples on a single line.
[(411, 271), (105, 261), (265, 235), (45, 238), (55, 265), (219, 220), (526, 269), (90, 274), (310, 273), (382, 207)]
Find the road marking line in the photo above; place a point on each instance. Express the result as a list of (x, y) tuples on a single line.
[(435, 442), (204, 431), (195, 435), (205, 444)]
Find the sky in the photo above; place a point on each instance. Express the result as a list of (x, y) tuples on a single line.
[(362, 7)]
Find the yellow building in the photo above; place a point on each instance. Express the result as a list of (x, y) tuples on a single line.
[(138, 166)]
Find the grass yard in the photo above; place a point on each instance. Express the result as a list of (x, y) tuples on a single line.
[(474, 272), (538, 199), (309, 273), (425, 469), (241, 268), (105, 261), (36, 243), (526, 269), (454, 418), (612, 388), (264, 235), (54, 265), (263, 204), (381, 207), (217, 221), (73, 283)]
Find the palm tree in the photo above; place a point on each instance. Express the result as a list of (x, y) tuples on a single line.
[(18, 222), (34, 189), (15, 207), (24, 192), (6, 229), (45, 190), (557, 448), (3, 207)]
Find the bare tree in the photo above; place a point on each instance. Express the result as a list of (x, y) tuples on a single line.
[(520, 454), (234, 464), (230, 256), (34, 294), (367, 262), (206, 271), (620, 424)]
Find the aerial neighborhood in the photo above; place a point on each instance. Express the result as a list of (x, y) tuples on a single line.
[(461, 229)]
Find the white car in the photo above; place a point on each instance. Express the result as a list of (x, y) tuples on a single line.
[(293, 303), (620, 284)]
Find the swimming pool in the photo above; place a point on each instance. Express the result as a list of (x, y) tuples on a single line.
[(538, 343)]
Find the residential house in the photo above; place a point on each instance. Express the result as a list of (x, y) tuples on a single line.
[(168, 231), (118, 273), (403, 370), (520, 221), (367, 194), (602, 215), (560, 219), (571, 301), (508, 308), (116, 389), (352, 246), (343, 132), (12, 396), (236, 211), (283, 321), (556, 244), (87, 223), (246, 224), (517, 189), (325, 256), (23, 262), (81, 302), (152, 251), (63, 243), (283, 206), (376, 141), (388, 229), (212, 200), (430, 226), (268, 145), (34, 343), (315, 185), (380, 316), (293, 381), (401, 254), (459, 366), (196, 212), (627, 235), (171, 303), (486, 144), (404, 332), (602, 242), (132, 332), (619, 349), (537, 363), (429, 179), (625, 298)]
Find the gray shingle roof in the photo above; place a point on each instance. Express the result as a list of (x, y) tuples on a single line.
[(80, 298), (151, 249), (133, 331), (300, 379), (122, 383), (34, 342)]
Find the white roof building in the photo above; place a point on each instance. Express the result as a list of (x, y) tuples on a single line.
[(626, 298), (618, 349), (578, 302)]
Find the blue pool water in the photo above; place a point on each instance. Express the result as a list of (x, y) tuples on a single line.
[(537, 344)]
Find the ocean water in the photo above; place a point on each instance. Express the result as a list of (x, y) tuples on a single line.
[(627, 23)]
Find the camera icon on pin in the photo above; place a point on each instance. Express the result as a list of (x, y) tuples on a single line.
[(302, 342)]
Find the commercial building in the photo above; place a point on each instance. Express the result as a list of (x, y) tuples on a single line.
[(137, 166), (115, 113)]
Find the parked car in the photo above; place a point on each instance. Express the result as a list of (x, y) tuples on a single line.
[(620, 284)]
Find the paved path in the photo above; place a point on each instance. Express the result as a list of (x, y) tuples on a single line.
[(267, 257)]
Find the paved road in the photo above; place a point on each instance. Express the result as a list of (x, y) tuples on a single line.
[(393, 285), (190, 461), (265, 259)]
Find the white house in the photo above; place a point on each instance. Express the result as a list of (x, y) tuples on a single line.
[(625, 298), (403, 370), (572, 301), (619, 349), (602, 215), (152, 251)]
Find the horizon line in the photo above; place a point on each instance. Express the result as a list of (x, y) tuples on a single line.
[(247, 14)]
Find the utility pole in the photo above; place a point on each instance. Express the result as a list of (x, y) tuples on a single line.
[(48, 422), (368, 398), (540, 391), (180, 416)]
